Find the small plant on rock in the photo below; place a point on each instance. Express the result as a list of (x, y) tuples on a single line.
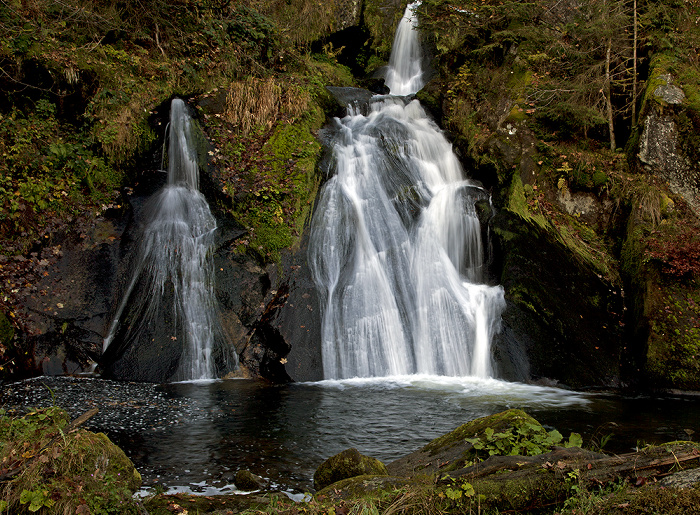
[(528, 440)]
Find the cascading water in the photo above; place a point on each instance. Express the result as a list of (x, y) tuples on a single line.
[(174, 262), (404, 76), (395, 247)]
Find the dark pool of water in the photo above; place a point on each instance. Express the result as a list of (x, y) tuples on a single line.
[(195, 436)]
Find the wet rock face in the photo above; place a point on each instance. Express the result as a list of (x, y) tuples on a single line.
[(65, 310), (284, 341), (347, 13), (562, 320)]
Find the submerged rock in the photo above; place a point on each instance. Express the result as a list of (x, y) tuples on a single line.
[(247, 481), (347, 464)]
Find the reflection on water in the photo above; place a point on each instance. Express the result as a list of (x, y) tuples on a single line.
[(196, 435)]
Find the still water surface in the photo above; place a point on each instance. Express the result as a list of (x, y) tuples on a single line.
[(194, 436)]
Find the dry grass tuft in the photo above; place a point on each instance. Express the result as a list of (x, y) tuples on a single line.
[(255, 103)]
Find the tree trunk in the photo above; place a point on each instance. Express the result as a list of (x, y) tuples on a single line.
[(634, 67), (608, 100), (655, 462)]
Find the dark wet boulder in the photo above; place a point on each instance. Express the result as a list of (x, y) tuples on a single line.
[(247, 481), (347, 464)]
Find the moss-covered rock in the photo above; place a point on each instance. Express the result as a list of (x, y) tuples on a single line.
[(247, 481), (59, 469), (183, 504), (452, 451), (381, 18), (347, 464), (660, 265)]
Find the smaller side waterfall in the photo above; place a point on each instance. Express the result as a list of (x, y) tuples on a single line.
[(169, 299)]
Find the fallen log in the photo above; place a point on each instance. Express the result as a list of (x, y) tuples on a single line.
[(654, 461)]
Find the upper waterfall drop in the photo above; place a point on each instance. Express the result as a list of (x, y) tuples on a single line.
[(168, 309), (404, 75), (395, 247)]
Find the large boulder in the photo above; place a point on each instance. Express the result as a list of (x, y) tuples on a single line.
[(452, 450), (665, 140), (53, 464), (347, 464)]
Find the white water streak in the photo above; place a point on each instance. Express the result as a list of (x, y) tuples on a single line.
[(404, 75), (396, 252), (175, 252)]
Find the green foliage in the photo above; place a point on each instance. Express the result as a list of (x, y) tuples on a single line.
[(526, 439), (36, 499), (461, 491), (568, 118), (44, 176), (252, 28)]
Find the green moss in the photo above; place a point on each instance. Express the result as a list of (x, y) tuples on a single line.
[(381, 18), (64, 471), (516, 197), (673, 356), (278, 210), (661, 64), (347, 464), (520, 495), (517, 201), (517, 114)]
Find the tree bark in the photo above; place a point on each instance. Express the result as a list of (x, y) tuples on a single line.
[(634, 66)]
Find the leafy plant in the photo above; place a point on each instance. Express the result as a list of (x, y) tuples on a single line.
[(36, 499), (528, 440)]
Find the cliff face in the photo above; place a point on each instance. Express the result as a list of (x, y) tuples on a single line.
[(591, 158)]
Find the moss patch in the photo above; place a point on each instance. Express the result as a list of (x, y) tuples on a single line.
[(62, 471), (267, 170), (673, 356), (347, 464)]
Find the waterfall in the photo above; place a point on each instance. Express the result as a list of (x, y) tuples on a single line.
[(395, 246), (404, 74), (174, 262)]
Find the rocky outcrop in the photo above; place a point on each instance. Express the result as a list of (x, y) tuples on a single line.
[(348, 13), (65, 310), (661, 145)]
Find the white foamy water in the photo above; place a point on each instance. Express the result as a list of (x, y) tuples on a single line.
[(471, 389), (175, 253), (404, 75), (395, 247)]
